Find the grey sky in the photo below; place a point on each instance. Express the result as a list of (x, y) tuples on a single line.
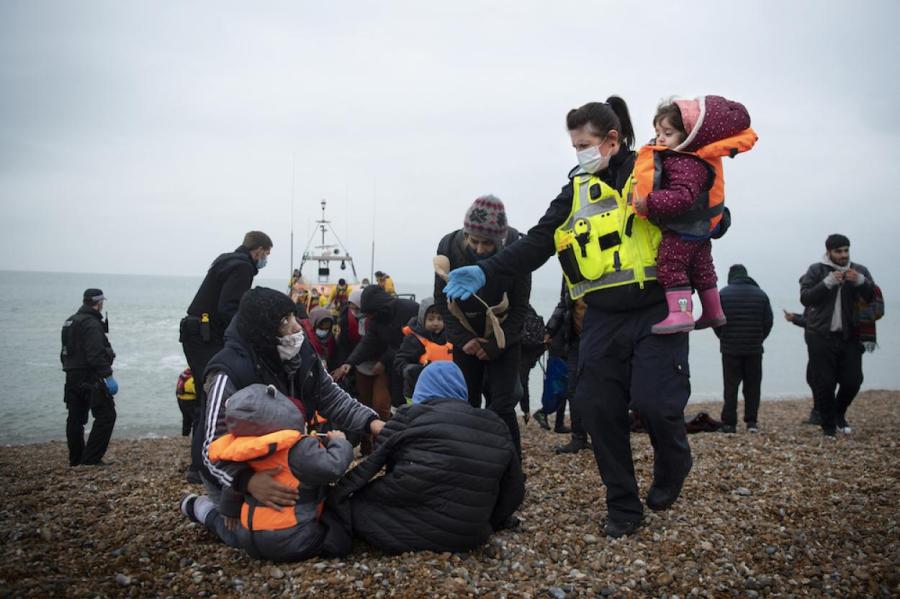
[(146, 137)]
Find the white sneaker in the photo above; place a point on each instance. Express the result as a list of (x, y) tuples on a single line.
[(845, 429)]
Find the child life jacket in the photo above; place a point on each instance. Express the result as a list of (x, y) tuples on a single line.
[(263, 453), (434, 352), (705, 214), (185, 388)]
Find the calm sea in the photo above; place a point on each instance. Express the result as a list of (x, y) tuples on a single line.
[(144, 312)]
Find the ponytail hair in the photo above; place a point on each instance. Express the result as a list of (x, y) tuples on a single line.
[(603, 117)]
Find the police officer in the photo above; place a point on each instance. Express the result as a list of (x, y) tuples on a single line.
[(202, 331), (87, 358), (608, 257)]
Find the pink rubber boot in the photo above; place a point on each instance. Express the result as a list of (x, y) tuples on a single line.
[(712, 315), (680, 319)]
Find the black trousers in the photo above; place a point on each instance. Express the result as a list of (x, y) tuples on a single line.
[(736, 370), (86, 394), (500, 378), (190, 415), (622, 365), (836, 365), (198, 354), (578, 431)]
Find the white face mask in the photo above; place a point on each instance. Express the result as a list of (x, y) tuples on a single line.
[(322, 333), (592, 160), (289, 345)]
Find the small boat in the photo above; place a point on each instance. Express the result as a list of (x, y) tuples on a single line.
[(330, 259)]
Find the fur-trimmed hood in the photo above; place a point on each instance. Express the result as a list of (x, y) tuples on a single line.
[(708, 119)]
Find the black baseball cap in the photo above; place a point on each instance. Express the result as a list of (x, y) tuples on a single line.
[(93, 295)]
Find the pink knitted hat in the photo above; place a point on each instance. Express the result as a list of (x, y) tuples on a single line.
[(486, 217), (690, 113)]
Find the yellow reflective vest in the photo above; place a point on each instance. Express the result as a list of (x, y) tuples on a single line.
[(603, 243)]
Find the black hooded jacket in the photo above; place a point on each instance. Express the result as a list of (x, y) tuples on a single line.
[(384, 332), (748, 314), (451, 478), (517, 287), (229, 276), (531, 251), (819, 300)]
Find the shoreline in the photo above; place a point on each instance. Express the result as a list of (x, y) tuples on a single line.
[(779, 513)]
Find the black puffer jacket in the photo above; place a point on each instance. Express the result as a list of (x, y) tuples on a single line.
[(452, 478), (384, 332), (229, 276), (749, 317), (819, 299)]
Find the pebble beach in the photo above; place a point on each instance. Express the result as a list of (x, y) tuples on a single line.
[(781, 513)]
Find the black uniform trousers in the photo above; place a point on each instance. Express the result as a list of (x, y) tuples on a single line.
[(198, 354), (578, 431), (87, 394), (737, 370), (500, 379), (621, 366), (836, 364)]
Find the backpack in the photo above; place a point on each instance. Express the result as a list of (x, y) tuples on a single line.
[(532, 330)]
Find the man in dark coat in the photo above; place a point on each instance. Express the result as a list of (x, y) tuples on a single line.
[(749, 321), (828, 291), (452, 476), (485, 365), (385, 318), (87, 358), (202, 331)]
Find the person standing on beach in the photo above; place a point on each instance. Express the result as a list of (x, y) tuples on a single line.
[(829, 291), (608, 256), (202, 331), (489, 366), (749, 321), (87, 357)]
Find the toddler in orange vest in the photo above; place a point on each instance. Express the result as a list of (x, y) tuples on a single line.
[(264, 432), (680, 188), (425, 342)]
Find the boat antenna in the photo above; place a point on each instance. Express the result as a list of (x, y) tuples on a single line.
[(293, 183), (374, 205)]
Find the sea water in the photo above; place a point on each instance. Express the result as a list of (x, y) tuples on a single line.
[(144, 312)]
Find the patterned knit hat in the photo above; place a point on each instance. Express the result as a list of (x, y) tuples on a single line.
[(486, 217)]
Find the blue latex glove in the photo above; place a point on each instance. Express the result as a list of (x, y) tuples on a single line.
[(463, 282), (111, 385)]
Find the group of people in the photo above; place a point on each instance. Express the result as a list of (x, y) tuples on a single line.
[(282, 400)]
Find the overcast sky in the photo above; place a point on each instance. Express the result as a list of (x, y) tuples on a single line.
[(147, 137)]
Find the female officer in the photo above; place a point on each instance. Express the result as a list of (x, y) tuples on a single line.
[(608, 256)]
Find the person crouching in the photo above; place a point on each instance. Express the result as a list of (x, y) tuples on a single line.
[(264, 431), (425, 342)]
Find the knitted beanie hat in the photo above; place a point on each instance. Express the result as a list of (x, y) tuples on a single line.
[(259, 316), (690, 113), (486, 217), (836, 240), (737, 270)]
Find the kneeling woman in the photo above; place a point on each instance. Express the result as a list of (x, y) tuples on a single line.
[(452, 475)]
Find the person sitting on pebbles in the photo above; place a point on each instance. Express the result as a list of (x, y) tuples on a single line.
[(452, 475), (265, 344), (264, 431)]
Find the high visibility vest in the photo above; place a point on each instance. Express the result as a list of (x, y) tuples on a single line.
[(706, 212), (434, 352), (185, 389), (602, 243), (262, 453)]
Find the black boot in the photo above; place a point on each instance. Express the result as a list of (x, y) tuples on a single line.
[(575, 444), (815, 418)]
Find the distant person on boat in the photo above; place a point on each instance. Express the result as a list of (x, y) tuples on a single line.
[(202, 331), (385, 318), (364, 283), (749, 322), (266, 432), (451, 474), (425, 342), (476, 349), (266, 345), (339, 296), (319, 330), (87, 358), (186, 394), (830, 290), (385, 281)]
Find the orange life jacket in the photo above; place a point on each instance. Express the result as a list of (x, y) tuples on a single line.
[(263, 453), (703, 217), (434, 352)]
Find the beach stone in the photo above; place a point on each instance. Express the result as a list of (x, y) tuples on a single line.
[(743, 492), (122, 580), (665, 579), (556, 593)]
